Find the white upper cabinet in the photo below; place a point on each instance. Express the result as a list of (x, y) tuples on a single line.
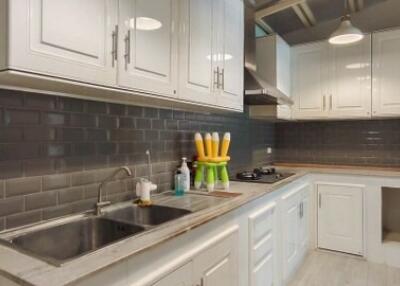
[(211, 52), (68, 39), (309, 80), (273, 57), (148, 45), (169, 52), (197, 57), (332, 81), (386, 73), (350, 80), (231, 53)]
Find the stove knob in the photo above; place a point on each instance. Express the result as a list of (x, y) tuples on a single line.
[(272, 170)]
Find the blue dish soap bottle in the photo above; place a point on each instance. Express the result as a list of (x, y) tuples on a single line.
[(179, 183)]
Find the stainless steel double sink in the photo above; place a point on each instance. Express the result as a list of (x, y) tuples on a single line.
[(63, 242)]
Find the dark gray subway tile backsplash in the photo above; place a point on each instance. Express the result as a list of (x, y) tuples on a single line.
[(54, 151), (366, 143)]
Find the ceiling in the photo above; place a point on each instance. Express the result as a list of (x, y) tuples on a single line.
[(299, 21)]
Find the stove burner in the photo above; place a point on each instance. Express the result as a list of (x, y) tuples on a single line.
[(265, 171), (248, 176), (267, 175)]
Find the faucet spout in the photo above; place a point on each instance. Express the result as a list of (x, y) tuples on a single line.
[(100, 203)]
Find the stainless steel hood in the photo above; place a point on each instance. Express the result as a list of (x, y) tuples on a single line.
[(257, 90)]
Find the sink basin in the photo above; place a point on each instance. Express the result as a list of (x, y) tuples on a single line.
[(64, 242), (147, 216)]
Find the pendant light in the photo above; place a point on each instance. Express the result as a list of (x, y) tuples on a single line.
[(346, 33)]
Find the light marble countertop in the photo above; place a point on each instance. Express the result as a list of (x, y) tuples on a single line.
[(26, 270)]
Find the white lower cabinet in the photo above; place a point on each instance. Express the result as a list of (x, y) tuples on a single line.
[(263, 250), (218, 265), (295, 223), (340, 217), (182, 276)]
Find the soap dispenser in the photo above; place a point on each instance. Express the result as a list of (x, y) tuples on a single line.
[(186, 175)]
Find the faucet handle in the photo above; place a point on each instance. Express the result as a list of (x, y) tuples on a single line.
[(100, 205), (103, 204)]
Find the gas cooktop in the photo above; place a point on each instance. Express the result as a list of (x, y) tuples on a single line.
[(263, 175)]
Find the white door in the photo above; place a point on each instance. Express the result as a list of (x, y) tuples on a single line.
[(65, 38), (386, 73), (148, 45), (180, 277), (291, 227), (309, 80), (231, 55), (350, 84), (263, 247), (197, 70), (218, 265), (340, 217)]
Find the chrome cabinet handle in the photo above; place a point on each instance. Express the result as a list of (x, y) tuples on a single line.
[(222, 78), (330, 102), (301, 210), (319, 200), (114, 51), (216, 77), (127, 40), (324, 102)]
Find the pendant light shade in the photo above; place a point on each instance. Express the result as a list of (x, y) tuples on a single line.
[(346, 33)]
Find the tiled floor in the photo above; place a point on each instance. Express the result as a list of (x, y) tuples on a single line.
[(331, 269)]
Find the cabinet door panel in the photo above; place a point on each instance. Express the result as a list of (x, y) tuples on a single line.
[(196, 51), (340, 218), (290, 223), (262, 246), (304, 232), (148, 46), (295, 229), (231, 55), (218, 265), (65, 38), (386, 73), (350, 95), (180, 277), (291, 244), (263, 272), (309, 87), (57, 24)]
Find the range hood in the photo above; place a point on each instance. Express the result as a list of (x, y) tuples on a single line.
[(257, 90)]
